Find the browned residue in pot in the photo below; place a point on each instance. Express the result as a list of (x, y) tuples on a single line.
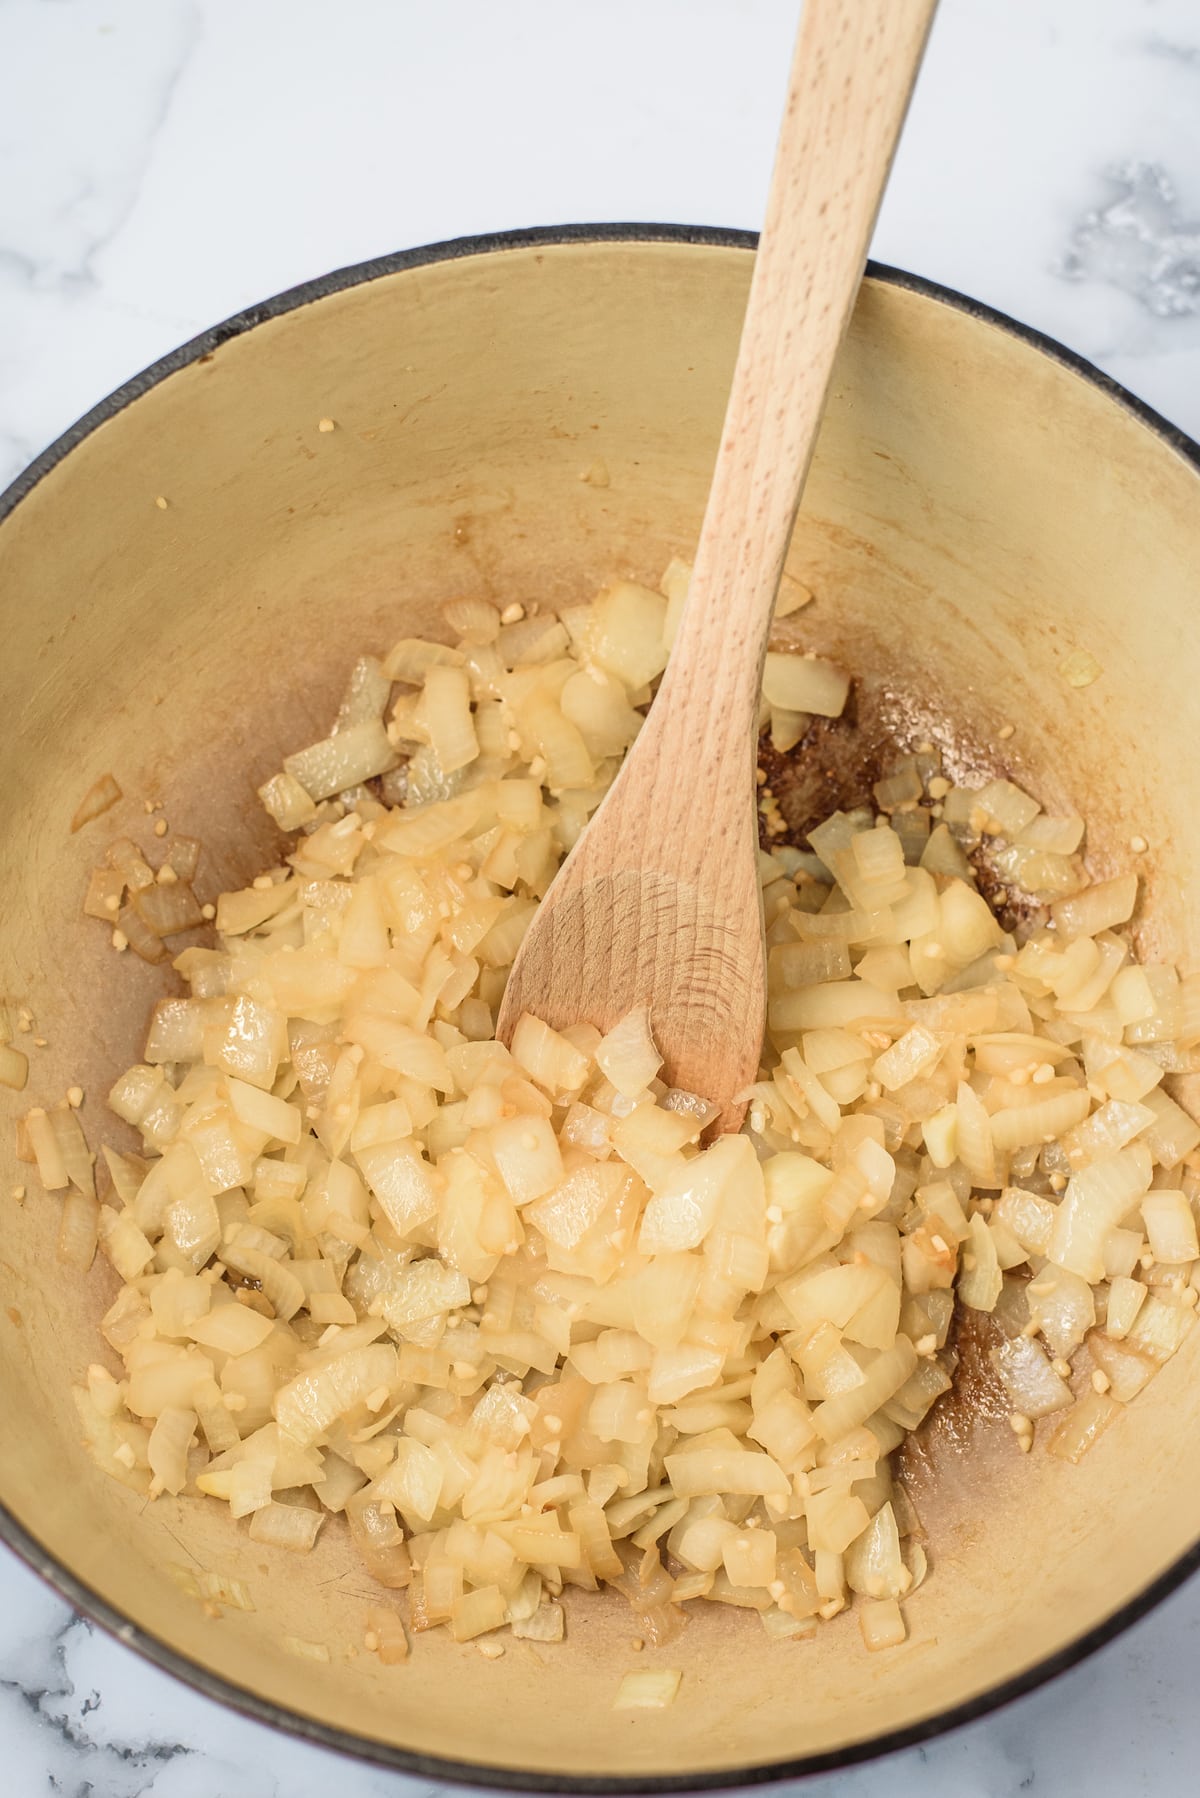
[(976, 1403), (832, 768)]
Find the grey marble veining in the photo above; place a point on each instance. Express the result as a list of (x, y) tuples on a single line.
[(165, 164), (1141, 243)]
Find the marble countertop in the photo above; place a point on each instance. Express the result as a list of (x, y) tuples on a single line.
[(164, 163)]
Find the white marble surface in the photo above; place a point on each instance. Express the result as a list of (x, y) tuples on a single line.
[(165, 162)]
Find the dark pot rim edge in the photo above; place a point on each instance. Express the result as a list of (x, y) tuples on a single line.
[(445, 1768)]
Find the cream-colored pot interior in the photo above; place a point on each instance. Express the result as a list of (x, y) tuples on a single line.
[(977, 510)]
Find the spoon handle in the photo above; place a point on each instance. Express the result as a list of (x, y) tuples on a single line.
[(852, 74)]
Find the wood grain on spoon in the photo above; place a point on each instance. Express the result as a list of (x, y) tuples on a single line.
[(659, 904)]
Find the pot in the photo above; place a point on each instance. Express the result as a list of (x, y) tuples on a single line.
[(987, 521)]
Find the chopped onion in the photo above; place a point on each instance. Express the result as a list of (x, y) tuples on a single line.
[(14, 1068), (1170, 1227), (625, 634), (354, 755), (1028, 1378), (799, 683), (286, 801), (1097, 908), (980, 1283), (1009, 809), (286, 1526), (1084, 1423), (498, 1305), (166, 910), (882, 1624), (1094, 1203), (100, 797), (167, 1450), (652, 1689), (627, 1054), (78, 1230)]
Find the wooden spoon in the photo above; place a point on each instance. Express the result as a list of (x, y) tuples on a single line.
[(659, 904)]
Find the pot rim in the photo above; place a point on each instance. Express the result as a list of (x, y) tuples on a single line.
[(213, 1685)]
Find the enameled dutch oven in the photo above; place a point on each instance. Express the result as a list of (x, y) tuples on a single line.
[(522, 417)]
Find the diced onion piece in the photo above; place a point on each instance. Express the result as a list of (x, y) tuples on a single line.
[(1173, 1133), (239, 913), (652, 1689), (628, 1056), (942, 855), (910, 1056), (1008, 808), (354, 755), (792, 596), (546, 1625), (1170, 1227), (386, 1631), (873, 1564), (287, 801), (286, 1526), (123, 1243), (1126, 1367), (798, 683), (128, 860), (367, 691), (411, 659), (100, 797), (222, 1588), (14, 1068), (1058, 836), (1062, 1305), (787, 728), (168, 1447), (477, 1612), (1094, 1203), (146, 944), (548, 1057), (233, 1329), (176, 1032), (105, 891), (1108, 1129), (882, 1379), (683, 1210), (527, 1156), (166, 910), (1029, 1379), (1029, 1217), (882, 1624), (78, 1230), (413, 1481), (446, 708), (376, 1534), (427, 1289), (1097, 908), (182, 857), (1084, 1423), (1039, 1121), (981, 1280), (1080, 668), (1125, 1297), (626, 633), (310, 1403), (695, 1472)]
